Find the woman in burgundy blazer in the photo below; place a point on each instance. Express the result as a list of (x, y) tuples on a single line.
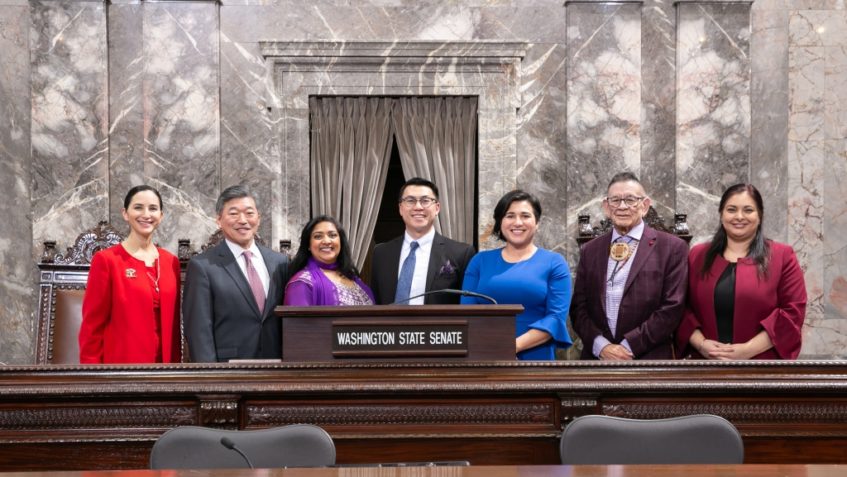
[(130, 313), (746, 294)]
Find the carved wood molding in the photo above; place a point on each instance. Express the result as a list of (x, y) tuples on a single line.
[(738, 412), (96, 417), (399, 414), (221, 411)]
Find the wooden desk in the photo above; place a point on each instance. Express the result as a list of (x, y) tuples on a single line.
[(746, 470), (491, 413)]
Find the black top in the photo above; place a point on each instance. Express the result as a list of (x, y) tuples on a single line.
[(725, 303)]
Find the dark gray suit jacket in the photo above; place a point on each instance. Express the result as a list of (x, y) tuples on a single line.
[(222, 321), (447, 263)]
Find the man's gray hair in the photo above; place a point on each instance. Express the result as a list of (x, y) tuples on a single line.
[(233, 192)]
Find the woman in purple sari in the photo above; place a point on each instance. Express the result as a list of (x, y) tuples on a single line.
[(324, 272)]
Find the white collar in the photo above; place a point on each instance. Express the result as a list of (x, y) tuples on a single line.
[(238, 250), (635, 233), (423, 241)]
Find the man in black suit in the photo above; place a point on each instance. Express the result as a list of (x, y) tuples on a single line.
[(437, 261), (231, 289)]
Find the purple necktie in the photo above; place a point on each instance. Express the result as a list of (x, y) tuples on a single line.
[(255, 282)]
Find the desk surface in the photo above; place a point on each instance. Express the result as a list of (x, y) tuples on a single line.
[(746, 470)]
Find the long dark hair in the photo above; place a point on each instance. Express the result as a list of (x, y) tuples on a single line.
[(344, 260), (759, 248)]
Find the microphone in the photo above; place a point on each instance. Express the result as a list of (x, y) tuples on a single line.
[(450, 291), (227, 442)]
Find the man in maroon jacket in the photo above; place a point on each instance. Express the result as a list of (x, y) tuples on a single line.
[(630, 286)]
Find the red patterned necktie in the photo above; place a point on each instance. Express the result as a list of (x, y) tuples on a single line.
[(255, 282)]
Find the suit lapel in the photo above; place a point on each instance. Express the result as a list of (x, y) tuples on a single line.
[(394, 248), (601, 265), (436, 257), (645, 248), (230, 264)]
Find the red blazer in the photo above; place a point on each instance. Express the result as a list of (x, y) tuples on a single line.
[(653, 299), (776, 303), (118, 322)]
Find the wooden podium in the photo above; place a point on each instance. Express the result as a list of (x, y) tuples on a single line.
[(399, 332)]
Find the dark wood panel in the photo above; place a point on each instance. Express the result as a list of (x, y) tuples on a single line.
[(107, 417), (494, 471)]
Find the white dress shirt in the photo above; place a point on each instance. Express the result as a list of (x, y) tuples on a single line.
[(257, 259), (421, 263)]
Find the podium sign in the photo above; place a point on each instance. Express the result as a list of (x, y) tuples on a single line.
[(440, 332)]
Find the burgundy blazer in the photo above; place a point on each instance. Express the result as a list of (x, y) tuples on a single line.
[(653, 299), (775, 303)]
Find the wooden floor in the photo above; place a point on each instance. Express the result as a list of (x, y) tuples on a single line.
[(501, 413)]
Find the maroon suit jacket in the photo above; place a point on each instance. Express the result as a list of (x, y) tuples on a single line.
[(776, 303), (653, 299)]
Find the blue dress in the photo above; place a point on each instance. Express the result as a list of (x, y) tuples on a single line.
[(542, 284)]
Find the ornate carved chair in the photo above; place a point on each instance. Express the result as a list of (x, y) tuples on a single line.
[(185, 251), (62, 280), (585, 232)]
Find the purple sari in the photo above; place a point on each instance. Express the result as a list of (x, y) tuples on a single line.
[(318, 290)]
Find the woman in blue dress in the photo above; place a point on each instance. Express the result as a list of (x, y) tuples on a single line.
[(523, 274)]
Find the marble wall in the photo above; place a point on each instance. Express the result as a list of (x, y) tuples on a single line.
[(193, 96)]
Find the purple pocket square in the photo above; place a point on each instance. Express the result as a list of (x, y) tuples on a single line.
[(447, 269)]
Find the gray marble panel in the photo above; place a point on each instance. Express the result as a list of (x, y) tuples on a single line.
[(806, 174), (541, 139), (827, 335), (69, 119), (769, 93), (181, 115), (398, 3), (713, 107), (806, 159), (523, 21), (658, 106), (17, 286), (250, 140), (604, 101), (126, 106)]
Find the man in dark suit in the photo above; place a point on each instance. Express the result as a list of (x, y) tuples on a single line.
[(630, 286), (231, 289), (421, 260)]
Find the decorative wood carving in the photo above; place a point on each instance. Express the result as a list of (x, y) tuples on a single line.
[(185, 251), (100, 237), (85, 416), (390, 412), (398, 414), (778, 411), (585, 232), (221, 412)]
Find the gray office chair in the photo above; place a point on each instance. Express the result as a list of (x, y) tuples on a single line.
[(697, 439), (190, 447)]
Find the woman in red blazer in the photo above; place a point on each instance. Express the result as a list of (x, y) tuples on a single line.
[(130, 313), (746, 294)]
